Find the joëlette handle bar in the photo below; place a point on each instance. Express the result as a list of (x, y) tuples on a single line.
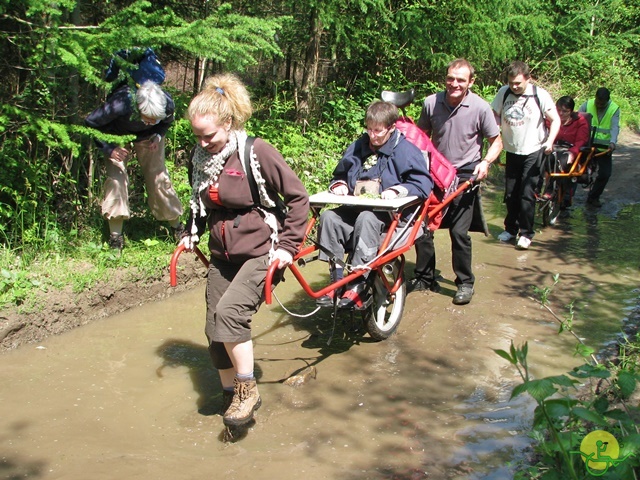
[(306, 251), (174, 262), (579, 167), (387, 257)]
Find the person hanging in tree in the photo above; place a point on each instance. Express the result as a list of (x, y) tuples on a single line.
[(147, 112)]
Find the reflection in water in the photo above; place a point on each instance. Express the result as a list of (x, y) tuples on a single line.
[(496, 424), (205, 379), (602, 240)]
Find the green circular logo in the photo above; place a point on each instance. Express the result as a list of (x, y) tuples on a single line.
[(599, 450)]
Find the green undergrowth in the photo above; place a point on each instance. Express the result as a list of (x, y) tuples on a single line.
[(596, 400), (24, 277)]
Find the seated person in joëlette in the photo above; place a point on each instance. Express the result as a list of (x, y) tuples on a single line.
[(574, 129), (573, 135), (383, 162)]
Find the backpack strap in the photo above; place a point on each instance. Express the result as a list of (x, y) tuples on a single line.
[(246, 160), (280, 208), (535, 97)]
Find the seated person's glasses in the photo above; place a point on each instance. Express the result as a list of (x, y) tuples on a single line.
[(377, 132)]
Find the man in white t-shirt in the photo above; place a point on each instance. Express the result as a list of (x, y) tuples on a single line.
[(521, 108)]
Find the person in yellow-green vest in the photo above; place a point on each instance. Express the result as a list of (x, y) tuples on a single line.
[(605, 117)]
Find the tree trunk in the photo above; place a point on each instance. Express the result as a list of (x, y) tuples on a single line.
[(310, 68)]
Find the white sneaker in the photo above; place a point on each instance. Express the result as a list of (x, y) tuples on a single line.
[(523, 243), (506, 237)]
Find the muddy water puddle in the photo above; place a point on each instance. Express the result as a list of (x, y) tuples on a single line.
[(134, 396)]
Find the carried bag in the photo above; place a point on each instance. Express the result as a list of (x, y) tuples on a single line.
[(368, 187)]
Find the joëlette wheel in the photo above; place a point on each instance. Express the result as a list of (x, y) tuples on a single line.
[(382, 317)]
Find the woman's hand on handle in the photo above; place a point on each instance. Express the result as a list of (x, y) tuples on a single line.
[(188, 242), (283, 258)]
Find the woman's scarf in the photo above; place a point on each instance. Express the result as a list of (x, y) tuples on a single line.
[(206, 171)]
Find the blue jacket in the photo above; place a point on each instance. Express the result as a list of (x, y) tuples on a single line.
[(400, 163), (118, 117)]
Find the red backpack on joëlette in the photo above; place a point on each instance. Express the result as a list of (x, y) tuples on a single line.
[(444, 175)]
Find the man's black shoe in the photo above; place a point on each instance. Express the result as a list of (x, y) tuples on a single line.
[(463, 295), (594, 202), (419, 284)]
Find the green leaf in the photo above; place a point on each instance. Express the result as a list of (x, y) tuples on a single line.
[(506, 356), (601, 404), (583, 350), (587, 371), (617, 414), (562, 380), (150, 242), (627, 383), (559, 407), (630, 444), (522, 388), (540, 389), (589, 416)]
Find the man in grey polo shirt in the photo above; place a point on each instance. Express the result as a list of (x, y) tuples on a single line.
[(458, 121)]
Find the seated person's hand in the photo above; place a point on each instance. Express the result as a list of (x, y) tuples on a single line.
[(284, 258), (389, 194), (570, 158), (189, 242), (339, 189)]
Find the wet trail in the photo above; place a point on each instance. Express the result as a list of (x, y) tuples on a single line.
[(133, 396)]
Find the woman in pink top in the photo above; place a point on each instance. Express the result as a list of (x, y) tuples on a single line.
[(574, 129), (573, 134)]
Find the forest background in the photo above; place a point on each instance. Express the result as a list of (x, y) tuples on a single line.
[(312, 67)]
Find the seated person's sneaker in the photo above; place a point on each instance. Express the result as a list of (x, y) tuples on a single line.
[(354, 296), (419, 284), (326, 300)]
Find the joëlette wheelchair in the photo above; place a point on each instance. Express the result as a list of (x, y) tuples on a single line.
[(559, 179), (385, 293)]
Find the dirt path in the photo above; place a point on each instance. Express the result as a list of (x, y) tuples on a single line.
[(61, 311)]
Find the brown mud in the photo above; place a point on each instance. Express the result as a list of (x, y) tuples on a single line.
[(59, 311)]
